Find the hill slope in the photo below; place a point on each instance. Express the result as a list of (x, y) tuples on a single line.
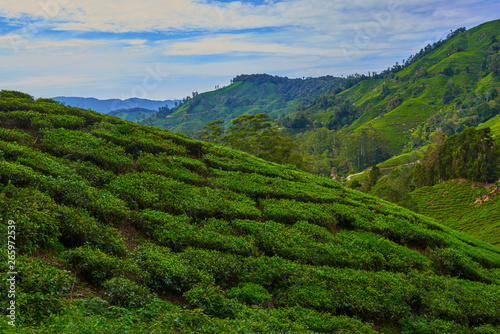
[(446, 86), (464, 206), (132, 114), (248, 94), (125, 228)]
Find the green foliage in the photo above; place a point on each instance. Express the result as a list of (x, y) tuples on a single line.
[(78, 145), (251, 294), (97, 267), (124, 292), (230, 242), (335, 152), (37, 225), (247, 95), (470, 154), (257, 135), (41, 290), (455, 204), (212, 300), (78, 228), (373, 176)]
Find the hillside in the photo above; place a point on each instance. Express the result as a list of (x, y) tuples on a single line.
[(464, 206), (494, 125), (106, 106), (125, 228), (446, 86), (247, 94), (132, 114)]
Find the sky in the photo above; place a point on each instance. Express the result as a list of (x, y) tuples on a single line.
[(167, 49)]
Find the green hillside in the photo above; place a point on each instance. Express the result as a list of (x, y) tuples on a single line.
[(464, 206), (248, 94), (446, 86), (494, 125), (121, 228), (132, 114)]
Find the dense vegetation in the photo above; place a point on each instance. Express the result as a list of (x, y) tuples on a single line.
[(343, 126), (419, 180), (471, 154), (257, 135), (124, 228), (464, 206), (446, 87), (132, 114), (247, 94)]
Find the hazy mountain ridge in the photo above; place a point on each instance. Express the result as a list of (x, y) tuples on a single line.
[(106, 106)]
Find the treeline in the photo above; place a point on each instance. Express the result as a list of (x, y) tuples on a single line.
[(471, 154), (343, 112), (292, 89), (341, 152), (257, 135)]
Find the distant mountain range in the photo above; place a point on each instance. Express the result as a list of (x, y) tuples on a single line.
[(106, 106)]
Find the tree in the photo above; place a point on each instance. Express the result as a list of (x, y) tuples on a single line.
[(450, 92), (212, 131), (427, 172), (257, 135), (373, 176), (470, 154)]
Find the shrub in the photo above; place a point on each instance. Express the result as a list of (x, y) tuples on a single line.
[(213, 301), (78, 145), (124, 292), (40, 289), (34, 214), (77, 228), (177, 233), (166, 271), (251, 294), (97, 267)]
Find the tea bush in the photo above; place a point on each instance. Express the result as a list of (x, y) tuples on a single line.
[(126, 293), (97, 267), (251, 294)]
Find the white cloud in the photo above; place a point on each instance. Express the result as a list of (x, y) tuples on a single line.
[(293, 37)]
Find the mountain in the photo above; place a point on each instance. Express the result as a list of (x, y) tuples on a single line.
[(132, 114), (248, 94), (106, 106), (124, 228), (448, 85)]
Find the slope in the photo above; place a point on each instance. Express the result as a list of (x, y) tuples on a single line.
[(464, 206), (445, 86), (247, 94), (132, 114), (125, 228)]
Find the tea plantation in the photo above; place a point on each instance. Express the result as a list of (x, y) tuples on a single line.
[(122, 228)]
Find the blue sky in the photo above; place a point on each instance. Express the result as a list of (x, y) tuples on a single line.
[(165, 49)]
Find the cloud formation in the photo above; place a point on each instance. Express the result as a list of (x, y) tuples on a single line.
[(205, 42)]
